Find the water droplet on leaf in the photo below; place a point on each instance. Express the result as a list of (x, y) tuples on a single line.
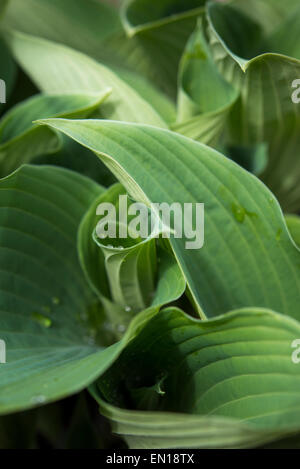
[(91, 341), (278, 234), (38, 399), (238, 212), (41, 319), (55, 300)]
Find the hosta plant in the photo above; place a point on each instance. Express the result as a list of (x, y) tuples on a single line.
[(168, 101)]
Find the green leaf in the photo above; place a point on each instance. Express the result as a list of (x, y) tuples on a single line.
[(79, 24), (3, 6), (228, 382), (269, 14), (285, 39), (251, 59), (94, 29), (137, 16), (55, 68), (125, 279), (293, 224), (205, 98), (131, 270), (42, 285), (73, 156), (21, 140), (247, 249), (220, 390), (159, 101), (160, 31)]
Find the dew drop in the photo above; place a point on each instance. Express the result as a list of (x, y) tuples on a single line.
[(238, 212), (91, 341), (127, 309), (278, 234), (55, 300), (107, 326), (38, 399), (121, 247), (41, 319)]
